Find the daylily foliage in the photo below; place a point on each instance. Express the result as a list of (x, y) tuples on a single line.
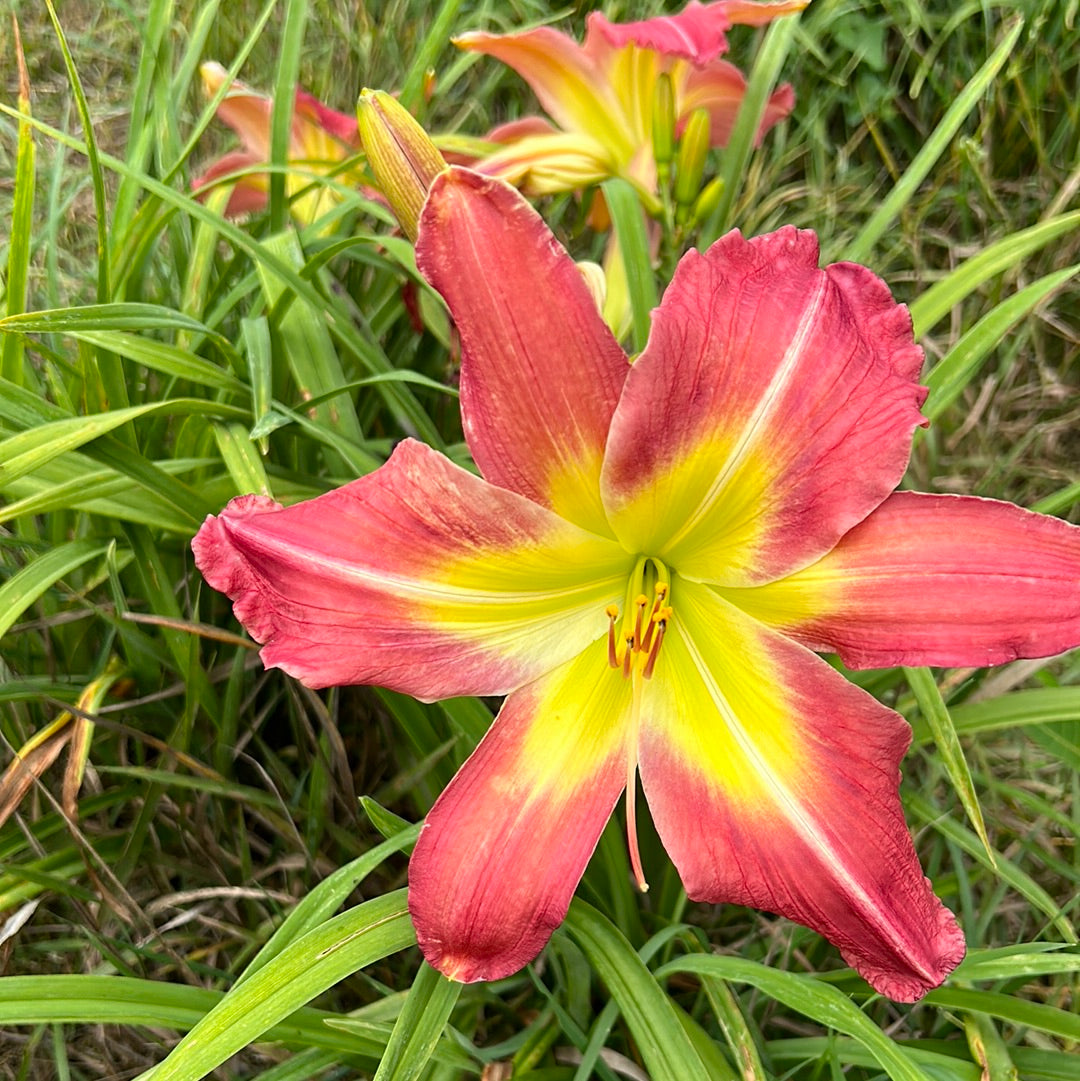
[(645, 566), (602, 94)]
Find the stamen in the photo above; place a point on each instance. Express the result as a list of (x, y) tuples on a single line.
[(641, 603), (627, 658), (658, 641), (612, 613)]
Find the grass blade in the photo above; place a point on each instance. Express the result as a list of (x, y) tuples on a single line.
[(812, 999), (419, 1026), (22, 222), (666, 1048), (27, 585), (936, 713), (628, 222), (306, 968), (859, 249), (954, 371), (937, 301), (775, 47)]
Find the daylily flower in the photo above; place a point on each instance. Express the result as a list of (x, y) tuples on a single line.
[(645, 565), (600, 94), (319, 141)]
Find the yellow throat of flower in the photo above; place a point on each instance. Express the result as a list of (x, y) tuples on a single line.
[(633, 650)]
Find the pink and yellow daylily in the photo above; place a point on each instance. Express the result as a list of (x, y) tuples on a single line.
[(645, 567), (600, 94), (320, 139)]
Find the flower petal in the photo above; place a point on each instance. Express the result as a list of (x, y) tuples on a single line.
[(249, 193), (773, 783), (541, 373), (420, 577), (935, 579), (771, 411), (548, 163), (245, 111), (572, 89), (696, 33), (720, 88), (504, 846)]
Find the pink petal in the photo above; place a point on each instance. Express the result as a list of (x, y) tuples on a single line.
[(248, 195), (541, 372), (341, 126), (720, 88), (773, 783), (504, 846), (696, 33), (771, 411), (420, 577), (935, 579)]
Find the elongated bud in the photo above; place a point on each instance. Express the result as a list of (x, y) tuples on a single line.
[(707, 201), (690, 161), (402, 157), (663, 120)]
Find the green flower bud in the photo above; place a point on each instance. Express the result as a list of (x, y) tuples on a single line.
[(690, 160), (402, 157), (663, 120)]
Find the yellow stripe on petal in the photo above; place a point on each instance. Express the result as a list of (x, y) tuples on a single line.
[(504, 846), (773, 782)]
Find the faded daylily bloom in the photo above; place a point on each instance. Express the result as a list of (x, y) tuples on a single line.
[(320, 140), (601, 94), (646, 567)]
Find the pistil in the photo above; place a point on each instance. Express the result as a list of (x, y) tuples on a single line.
[(642, 635)]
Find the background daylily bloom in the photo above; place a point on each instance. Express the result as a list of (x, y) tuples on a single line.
[(600, 94), (644, 567), (320, 140)]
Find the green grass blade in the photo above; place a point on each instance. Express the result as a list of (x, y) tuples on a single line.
[(288, 70), (628, 221), (434, 42), (308, 347), (859, 249), (954, 371), (327, 897), (1041, 705), (1034, 1015), (413, 418), (812, 999), (241, 459), (936, 713), (937, 301), (21, 224), (27, 451), (27, 585), (1007, 871), (665, 1047), (419, 1026), (306, 968), (775, 47), (97, 176)]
